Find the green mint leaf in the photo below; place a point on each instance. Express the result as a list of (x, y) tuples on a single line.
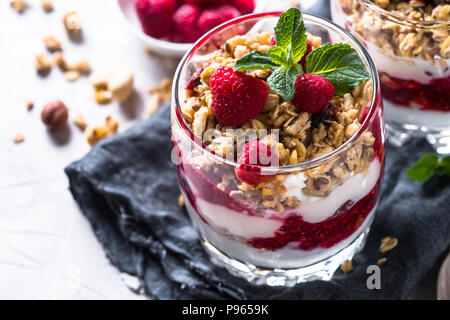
[(282, 80), (279, 55), (424, 168), (339, 64), (290, 32), (255, 60), (444, 167)]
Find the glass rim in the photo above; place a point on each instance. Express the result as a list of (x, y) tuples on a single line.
[(402, 19), (370, 117)]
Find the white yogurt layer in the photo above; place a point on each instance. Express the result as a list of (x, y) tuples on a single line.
[(236, 223), (431, 119), (407, 68), (287, 257), (314, 209)]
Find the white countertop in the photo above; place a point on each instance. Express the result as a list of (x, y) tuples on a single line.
[(47, 248)]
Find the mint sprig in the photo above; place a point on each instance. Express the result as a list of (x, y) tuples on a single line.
[(338, 63), (428, 165)]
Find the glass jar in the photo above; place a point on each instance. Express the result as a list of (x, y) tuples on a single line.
[(413, 60), (295, 242)]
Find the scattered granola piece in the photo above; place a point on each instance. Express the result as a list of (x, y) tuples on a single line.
[(72, 75), (347, 266), (153, 104), (149, 51), (164, 89), (19, 138), (47, 5), (30, 105), (83, 66), (72, 23), (19, 5), (42, 65), (52, 44), (388, 244), (79, 121), (58, 59), (117, 84), (103, 96), (121, 85), (98, 133), (181, 201), (382, 261)]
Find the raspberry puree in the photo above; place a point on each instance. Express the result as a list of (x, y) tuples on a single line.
[(431, 96), (324, 234)]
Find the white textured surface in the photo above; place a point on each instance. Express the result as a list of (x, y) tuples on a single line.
[(47, 248)]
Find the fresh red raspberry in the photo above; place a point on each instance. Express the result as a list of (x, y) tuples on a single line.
[(155, 16), (206, 3), (212, 17), (308, 51), (244, 6), (312, 93), (236, 97), (254, 154), (273, 41), (185, 23)]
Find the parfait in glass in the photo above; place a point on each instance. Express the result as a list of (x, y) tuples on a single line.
[(409, 41), (278, 135)]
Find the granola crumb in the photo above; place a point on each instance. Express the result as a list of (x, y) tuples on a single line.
[(47, 5), (19, 138), (347, 266), (72, 75), (388, 244), (52, 44), (72, 23), (42, 64), (181, 200), (164, 89), (103, 96), (58, 59), (29, 105), (79, 121), (98, 133), (19, 5), (382, 261), (153, 104)]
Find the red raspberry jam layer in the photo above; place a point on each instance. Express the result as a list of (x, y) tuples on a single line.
[(432, 96), (324, 234)]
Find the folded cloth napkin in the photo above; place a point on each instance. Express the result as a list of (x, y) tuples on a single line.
[(127, 188)]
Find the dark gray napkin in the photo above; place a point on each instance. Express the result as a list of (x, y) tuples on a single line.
[(127, 188)]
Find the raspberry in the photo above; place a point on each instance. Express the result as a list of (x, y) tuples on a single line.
[(244, 6), (308, 51), (255, 153), (185, 23), (155, 16), (312, 93), (206, 3), (214, 16), (273, 41), (236, 97)]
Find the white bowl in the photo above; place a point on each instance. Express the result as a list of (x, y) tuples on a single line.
[(172, 49)]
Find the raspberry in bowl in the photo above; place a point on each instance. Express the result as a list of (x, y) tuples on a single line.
[(279, 145), (170, 27), (409, 41)]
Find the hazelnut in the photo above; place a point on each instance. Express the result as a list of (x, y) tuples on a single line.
[(55, 115)]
